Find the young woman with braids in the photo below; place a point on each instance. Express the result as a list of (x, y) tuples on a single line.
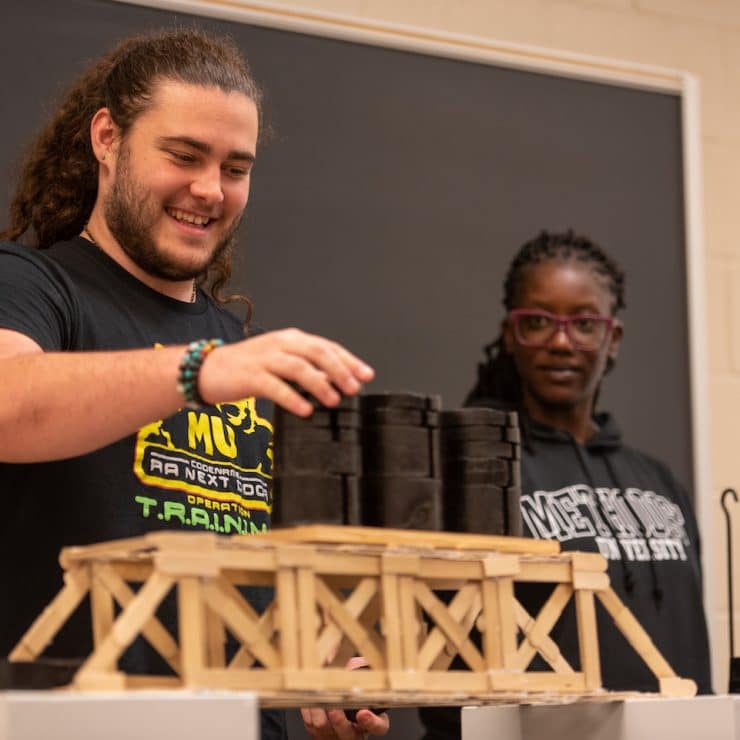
[(119, 366), (580, 484)]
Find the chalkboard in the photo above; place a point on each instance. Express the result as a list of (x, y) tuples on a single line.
[(397, 186)]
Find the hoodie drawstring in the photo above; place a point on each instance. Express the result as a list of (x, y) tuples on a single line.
[(656, 589), (628, 578)]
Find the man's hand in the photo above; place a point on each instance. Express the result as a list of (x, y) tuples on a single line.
[(266, 365), (332, 724)]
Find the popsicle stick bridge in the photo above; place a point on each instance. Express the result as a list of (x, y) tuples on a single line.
[(338, 592)]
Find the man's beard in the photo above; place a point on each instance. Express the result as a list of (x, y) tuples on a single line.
[(131, 220)]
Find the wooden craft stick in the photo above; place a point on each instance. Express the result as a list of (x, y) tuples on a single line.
[(677, 687), (370, 618), (308, 618), (588, 639), (566, 683), (493, 648), (241, 680), (356, 603), (466, 602), (267, 624), (348, 564), (448, 653), (287, 597), (350, 682), (506, 615), (137, 572), (192, 630), (537, 570), (454, 633), (536, 631), (241, 619), (350, 626), (635, 634), (410, 619), (215, 640), (317, 533), (128, 625), (50, 621), (588, 561), (101, 605), (391, 622), (103, 681), (154, 632), (122, 549), (148, 681), (444, 682), (345, 650)]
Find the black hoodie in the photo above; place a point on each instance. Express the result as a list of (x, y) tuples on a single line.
[(606, 497), (609, 498)]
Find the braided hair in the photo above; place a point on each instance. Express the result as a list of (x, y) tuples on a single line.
[(498, 379)]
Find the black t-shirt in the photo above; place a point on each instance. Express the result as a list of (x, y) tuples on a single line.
[(205, 469)]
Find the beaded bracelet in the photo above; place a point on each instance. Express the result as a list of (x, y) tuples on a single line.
[(189, 370)]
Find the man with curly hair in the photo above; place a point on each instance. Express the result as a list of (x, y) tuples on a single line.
[(120, 366)]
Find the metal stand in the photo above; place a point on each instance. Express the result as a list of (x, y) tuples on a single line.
[(734, 687)]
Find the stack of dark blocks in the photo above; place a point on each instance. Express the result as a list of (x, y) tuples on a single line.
[(480, 452), (401, 485), (317, 466), (396, 460)]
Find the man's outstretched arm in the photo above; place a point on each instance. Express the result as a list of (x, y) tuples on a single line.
[(61, 404)]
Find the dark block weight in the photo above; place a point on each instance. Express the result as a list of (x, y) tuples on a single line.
[(397, 450), (454, 448), (473, 416), (482, 432), (322, 417), (400, 417), (308, 499), (514, 525), (479, 433), (493, 471), (373, 401), (43, 673), (352, 501), (300, 435), (402, 503), (513, 434), (475, 508), (512, 417), (323, 458), (346, 403)]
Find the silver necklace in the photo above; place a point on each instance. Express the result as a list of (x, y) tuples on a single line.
[(91, 238)]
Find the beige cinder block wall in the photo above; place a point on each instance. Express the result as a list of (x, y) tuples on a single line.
[(701, 37)]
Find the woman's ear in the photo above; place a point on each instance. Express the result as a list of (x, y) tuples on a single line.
[(615, 340)]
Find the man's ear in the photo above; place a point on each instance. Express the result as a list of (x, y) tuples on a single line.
[(615, 341), (104, 137)]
